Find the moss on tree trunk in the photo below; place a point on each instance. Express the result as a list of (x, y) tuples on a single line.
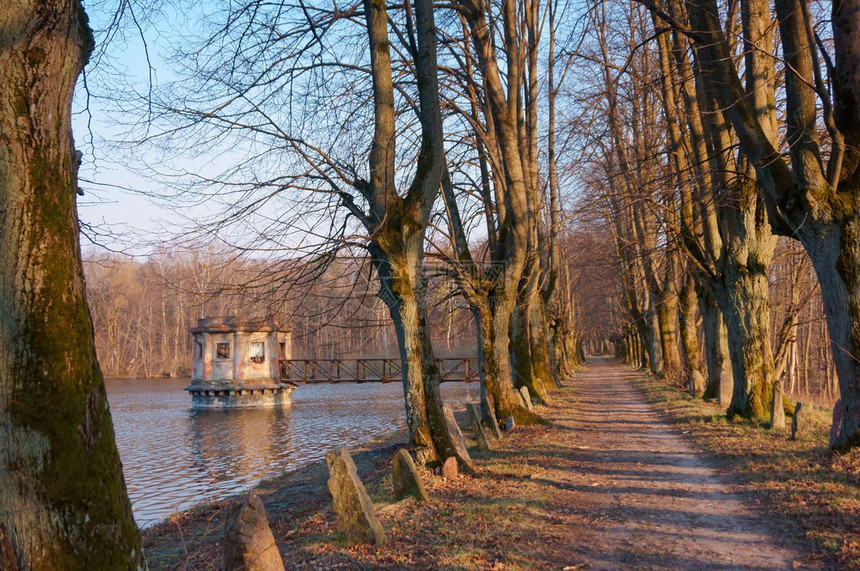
[(63, 502), (745, 307), (522, 357), (495, 366)]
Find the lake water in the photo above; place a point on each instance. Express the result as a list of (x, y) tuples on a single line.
[(174, 458)]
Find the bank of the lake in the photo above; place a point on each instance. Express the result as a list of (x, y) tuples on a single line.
[(174, 457)]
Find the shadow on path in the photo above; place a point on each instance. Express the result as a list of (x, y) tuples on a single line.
[(636, 495)]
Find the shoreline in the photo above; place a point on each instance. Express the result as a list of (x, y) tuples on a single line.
[(384, 440), (175, 458), (294, 493)]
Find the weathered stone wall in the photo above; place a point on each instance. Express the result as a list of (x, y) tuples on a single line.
[(214, 398)]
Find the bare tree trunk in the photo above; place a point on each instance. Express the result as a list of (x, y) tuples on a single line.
[(837, 263), (638, 354), (633, 358), (806, 197), (398, 225), (743, 295), (655, 347), (716, 343), (642, 344), (807, 342), (397, 291), (791, 361), (530, 359), (63, 502), (523, 357), (496, 304), (403, 289), (540, 339), (689, 331), (553, 309), (667, 316), (495, 368)]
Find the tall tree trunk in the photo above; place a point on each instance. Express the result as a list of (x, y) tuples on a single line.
[(642, 344), (716, 343), (495, 365), (522, 362), (689, 331), (398, 292), (667, 317), (837, 264), (498, 303), (398, 226), (63, 502), (738, 279), (638, 355), (539, 338), (791, 359), (529, 356), (743, 295), (655, 347), (807, 199), (552, 307), (403, 289)]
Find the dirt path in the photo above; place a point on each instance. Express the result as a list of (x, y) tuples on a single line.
[(638, 496)]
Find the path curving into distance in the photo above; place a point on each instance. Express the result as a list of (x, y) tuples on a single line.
[(636, 493)]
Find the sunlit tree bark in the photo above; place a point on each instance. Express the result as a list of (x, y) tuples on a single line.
[(807, 198), (493, 294), (731, 248), (63, 502), (398, 225)]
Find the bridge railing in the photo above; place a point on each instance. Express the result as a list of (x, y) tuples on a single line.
[(369, 370)]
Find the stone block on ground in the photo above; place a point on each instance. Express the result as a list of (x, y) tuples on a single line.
[(356, 517), (495, 430), (800, 422), (540, 383), (457, 437), (407, 481), (697, 383), (527, 398), (727, 387), (450, 469), (510, 424), (777, 413), (248, 541), (475, 419)]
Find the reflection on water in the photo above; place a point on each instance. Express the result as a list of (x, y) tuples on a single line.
[(174, 457)]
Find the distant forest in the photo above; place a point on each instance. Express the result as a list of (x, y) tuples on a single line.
[(143, 310)]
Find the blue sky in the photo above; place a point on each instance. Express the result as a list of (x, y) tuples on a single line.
[(114, 203)]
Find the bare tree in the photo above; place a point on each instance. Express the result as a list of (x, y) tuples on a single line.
[(730, 243), (336, 113), (810, 193), (499, 287)]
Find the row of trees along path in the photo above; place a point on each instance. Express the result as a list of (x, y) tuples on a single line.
[(637, 495), (607, 484)]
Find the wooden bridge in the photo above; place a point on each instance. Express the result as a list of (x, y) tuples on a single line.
[(297, 371)]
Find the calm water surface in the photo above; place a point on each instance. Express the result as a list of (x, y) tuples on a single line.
[(174, 457)]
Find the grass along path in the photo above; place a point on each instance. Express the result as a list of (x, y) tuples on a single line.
[(611, 484)]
